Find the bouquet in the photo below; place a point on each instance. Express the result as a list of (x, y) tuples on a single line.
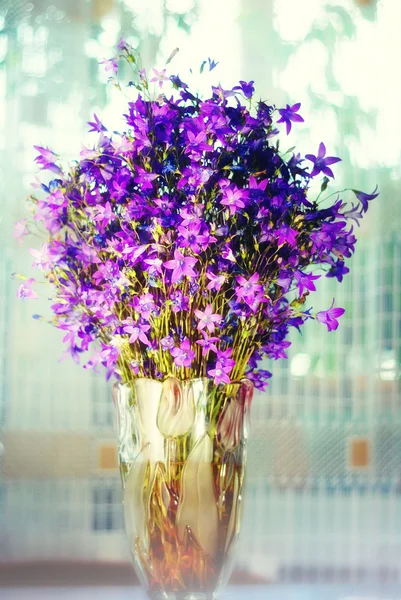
[(187, 245)]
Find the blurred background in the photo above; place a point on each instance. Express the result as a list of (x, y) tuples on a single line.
[(323, 500)]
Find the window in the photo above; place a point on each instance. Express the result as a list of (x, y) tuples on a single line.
[(107, 507), (102, 406)]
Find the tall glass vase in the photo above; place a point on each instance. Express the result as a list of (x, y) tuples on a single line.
[(182, 454)]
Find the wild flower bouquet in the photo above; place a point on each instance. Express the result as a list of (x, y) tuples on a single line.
[(187, 244)]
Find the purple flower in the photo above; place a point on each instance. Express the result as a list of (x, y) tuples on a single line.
[(183, 355), (109, 355), (25, 290), (167, 342), (248, 288), (207, 318), (123, 45), (259, 378), (222, 94), (321, 162), (289, 115), (233, 197), (305, 281), (138, 332), (20, 230), (256, 187), (223, 357), (135, 366), (364, 199), (179, 302), (104, 215), (155, 265), (42, 257), (330, 317), (191, 236), (46, 159), (220, 373), (276, 350), (144, 305), (216, 282), (208, 344), (144, 178), (212, 64), (160, 77), (247, 88), (286, 235), (110, 64), (181, 266), (338, 270), (96, 125)]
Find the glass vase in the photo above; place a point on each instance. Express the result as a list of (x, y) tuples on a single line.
[(182, 454)]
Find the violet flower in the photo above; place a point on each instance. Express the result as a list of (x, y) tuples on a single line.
[(290, 115), (181, 266), (96, 125), (207, 318), (138, 332), (110, 64), (305, 281), (330, 316), (233, 198), (364, 198), (208, 344), (20, 230), (25, 290), (219, 373), (183, 355), (159, 77), (248, 288), (321, 162)]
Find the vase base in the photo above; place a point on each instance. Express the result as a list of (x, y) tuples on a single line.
[(182, 595)]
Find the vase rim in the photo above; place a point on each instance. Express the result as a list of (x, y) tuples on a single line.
[(119, 384)]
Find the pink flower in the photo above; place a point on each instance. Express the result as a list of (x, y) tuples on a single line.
[(42, 256), (208, 343), (228, 254), (220, 373), (155, 265), (216, 281), (305, 281), (104, 214), (20, 230), (110, 64), (248, 288), (122, 145), (138, 332), (287, 234), (144, 305), (160, 77), (233, 198), (25, 290), (329, 317), (207, 318), (181, 266), (135, 366), (183, 355), (254, 185)]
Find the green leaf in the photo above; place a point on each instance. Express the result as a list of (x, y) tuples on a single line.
[(324, 184)]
